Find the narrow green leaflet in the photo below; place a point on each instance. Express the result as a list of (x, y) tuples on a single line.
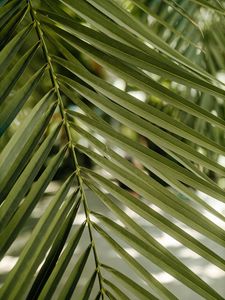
[(105, 25), (160, 19), (38, 245), (198, 285), (165, 255), (58, 16), (155, 134), (61, 265), (12, 48), (136, 289), (26, 178), (107, 152), (91, 114), (74, 276), (172, 205), (10, 26), (20, 147), (189, 165), (125, 39), (145, 83), (88, 287), (3, 2), (54, 7), (116, 290), (151, 159), (157, 219), (8, 11), (14, 74), (132, 24), (16, 223), (12, 107), (178, 8), (110, 295), (53, 256), (150, 62), (160, 289), (99, 296), (189, 193), (147, 112), (206, 4), (13, 174), (9, 8), (76, 100)]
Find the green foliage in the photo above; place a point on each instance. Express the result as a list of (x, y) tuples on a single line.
[(63, 116)]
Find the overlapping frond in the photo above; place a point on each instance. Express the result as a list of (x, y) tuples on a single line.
[(59, 108)]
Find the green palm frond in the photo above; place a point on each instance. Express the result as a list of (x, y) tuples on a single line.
[(80, 156)]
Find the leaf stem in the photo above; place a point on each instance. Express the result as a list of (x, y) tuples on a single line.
[(69, 138)]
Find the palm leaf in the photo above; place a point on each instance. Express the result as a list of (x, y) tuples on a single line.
[(62, 116)]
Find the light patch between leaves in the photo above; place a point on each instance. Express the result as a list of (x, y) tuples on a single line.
[(164, 277), (80, 218), (7, 263), (132, 252), (213, 272), (187, 253), (168, 241)]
